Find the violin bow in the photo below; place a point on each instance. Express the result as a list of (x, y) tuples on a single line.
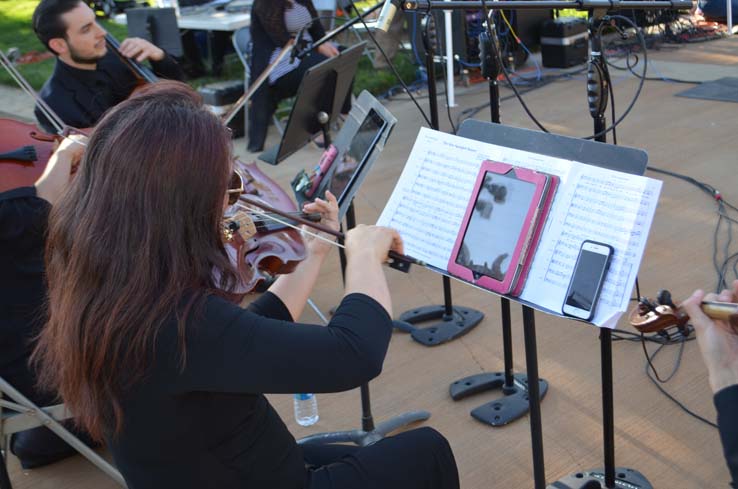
[(228, 116), (62, 129), (397, 260)]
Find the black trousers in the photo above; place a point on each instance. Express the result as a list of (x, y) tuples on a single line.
[(416, 459)]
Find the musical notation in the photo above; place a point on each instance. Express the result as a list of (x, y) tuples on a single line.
[(431, 196)]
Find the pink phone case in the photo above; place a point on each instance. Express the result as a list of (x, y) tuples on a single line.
[(522, 255)]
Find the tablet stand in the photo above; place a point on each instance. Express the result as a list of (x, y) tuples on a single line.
[(369, 432)]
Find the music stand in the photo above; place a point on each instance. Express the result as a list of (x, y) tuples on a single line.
[(156, 25), (322, 90)]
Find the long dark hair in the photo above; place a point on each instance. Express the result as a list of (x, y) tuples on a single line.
[(134, 241)]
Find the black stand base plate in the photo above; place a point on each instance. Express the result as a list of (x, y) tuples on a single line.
[(450, 327), (501, 411), (595, 479)]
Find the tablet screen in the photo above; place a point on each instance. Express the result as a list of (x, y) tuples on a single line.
[(495, 225), (361, 145)]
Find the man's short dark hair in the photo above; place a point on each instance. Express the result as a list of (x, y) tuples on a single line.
[(47, 21)]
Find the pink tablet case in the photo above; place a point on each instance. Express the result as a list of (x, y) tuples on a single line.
[(532, 227)]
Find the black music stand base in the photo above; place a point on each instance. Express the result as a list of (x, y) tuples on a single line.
[(365, 438), (504, 410), (450, 327), (595, 479)]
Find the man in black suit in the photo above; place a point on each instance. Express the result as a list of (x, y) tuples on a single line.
[(88, 78)]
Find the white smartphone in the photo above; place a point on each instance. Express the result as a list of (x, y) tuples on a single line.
[(587, 279)]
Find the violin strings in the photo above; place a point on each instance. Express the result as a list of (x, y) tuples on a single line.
[(262, 213)]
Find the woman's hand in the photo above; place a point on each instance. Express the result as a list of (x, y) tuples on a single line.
[(327, 49), (717, 339), (52, 183), (328, 210), (372, 242)]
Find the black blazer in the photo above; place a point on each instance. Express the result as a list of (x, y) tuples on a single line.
[(81, 97)]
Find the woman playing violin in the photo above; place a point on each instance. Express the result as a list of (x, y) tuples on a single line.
[(88, 79), (23, 220), (149, 355), (719, 346)]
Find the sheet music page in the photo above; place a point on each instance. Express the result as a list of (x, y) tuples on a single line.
[(431, 196), (600, 205)]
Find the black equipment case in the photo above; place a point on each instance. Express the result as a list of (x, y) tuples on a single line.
[(564, 42)]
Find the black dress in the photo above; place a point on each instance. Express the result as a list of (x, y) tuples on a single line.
[(726, 402), (210, 425)]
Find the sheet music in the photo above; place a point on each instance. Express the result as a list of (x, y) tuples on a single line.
[(431, 196)]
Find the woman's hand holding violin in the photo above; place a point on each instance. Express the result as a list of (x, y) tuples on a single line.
[(717, 339), (328, 210)]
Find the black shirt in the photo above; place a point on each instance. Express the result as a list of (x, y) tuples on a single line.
[(23, 222), (81, 97), (726, 402), (210, 424)]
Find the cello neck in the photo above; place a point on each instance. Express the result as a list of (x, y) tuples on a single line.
[(142, 73)]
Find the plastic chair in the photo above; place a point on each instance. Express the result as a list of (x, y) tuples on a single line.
[(18, 413)]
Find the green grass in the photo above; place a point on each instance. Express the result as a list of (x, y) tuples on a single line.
[(16, 32)]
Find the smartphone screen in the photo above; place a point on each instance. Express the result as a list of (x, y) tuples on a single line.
[(587, 279)]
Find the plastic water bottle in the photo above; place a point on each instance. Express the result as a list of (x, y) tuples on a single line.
[(306, 409)]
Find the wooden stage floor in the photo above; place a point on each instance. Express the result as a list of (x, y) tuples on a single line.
[(672, 449)]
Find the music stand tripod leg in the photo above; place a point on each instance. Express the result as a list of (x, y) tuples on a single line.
[(515, 403), (369, 433)]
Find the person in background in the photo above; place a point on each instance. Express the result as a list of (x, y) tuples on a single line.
[(88, 78), (719, 346), (273, 24)]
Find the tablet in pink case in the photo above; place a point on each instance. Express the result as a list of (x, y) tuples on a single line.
[(501, 226)]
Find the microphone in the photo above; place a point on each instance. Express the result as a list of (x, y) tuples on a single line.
[(387, 14)]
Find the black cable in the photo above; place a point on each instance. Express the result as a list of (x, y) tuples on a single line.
[(649, 366), (391, 65), (722, 204)]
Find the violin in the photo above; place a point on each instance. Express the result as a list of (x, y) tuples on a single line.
[(654, 316)]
